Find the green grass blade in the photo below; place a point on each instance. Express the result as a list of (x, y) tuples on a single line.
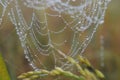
[(3, 70)]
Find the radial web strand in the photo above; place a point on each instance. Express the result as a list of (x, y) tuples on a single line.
[(3, 6)]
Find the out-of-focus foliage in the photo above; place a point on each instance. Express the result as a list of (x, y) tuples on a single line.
[(3, 71)]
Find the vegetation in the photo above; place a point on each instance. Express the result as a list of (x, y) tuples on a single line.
[(84, 68), (3, 71)]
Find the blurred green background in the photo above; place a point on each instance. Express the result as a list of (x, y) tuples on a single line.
[(16, 63)]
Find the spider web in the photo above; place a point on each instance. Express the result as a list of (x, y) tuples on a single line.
[(3, 6), (51, 30)]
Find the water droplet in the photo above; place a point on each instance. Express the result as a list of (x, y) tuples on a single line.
[(79, 22), (8, 14), (73, 0), (101, 22), (100, 3), (59, 15), (19, 24)]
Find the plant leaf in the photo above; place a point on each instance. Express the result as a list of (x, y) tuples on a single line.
[(3, 70)]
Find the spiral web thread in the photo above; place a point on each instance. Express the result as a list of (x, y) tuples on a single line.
[(51, 30)]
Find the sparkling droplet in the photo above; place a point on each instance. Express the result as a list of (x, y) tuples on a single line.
[(73, 0), (101, 22)]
